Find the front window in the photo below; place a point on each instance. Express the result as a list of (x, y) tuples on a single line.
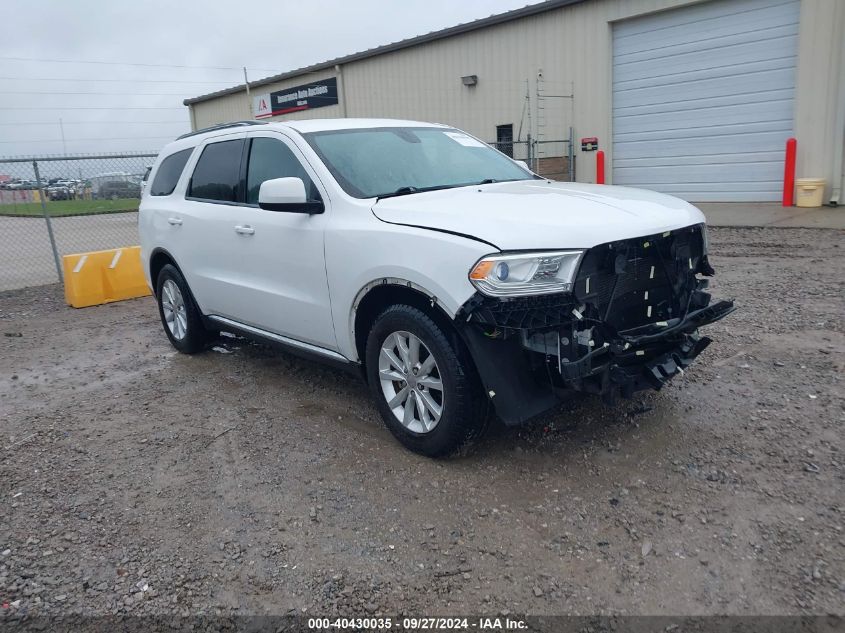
[(376, 162), (271, 158)]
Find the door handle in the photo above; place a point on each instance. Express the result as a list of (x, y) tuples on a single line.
[(174, 221), (244, 229)]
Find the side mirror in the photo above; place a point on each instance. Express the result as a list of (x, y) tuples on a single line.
[(522, 163), (287, 194)]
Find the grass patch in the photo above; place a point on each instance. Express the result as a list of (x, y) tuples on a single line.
[(64, 208)]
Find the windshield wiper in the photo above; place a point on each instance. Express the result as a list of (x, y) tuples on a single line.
[(404, 191), (409, 189)]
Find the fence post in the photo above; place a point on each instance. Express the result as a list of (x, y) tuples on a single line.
[(47, 219), (530, 150)]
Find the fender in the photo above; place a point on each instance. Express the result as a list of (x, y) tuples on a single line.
[(390, 281)]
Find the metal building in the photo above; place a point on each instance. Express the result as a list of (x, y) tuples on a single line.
[(691, 97)]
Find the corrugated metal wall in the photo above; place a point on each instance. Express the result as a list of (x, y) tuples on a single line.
[(573, 47), (703, 99)]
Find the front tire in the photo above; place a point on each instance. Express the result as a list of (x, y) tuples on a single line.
[(178, 311), (425, 385)]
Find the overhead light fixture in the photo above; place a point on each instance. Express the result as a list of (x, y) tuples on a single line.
[(469, 80)]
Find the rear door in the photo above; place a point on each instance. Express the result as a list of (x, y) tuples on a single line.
[(207, 216)]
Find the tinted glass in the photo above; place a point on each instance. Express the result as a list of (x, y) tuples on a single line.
[(168, 173), (270, 158), (217, 174), (379, 161)]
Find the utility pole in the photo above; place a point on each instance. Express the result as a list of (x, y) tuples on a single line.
[(62, 130), (248, 97)]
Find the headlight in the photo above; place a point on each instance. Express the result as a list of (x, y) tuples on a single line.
[(523, 274)]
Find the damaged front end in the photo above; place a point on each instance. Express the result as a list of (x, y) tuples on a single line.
[(629, 323)]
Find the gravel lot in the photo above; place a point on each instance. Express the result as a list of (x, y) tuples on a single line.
[(136, 480)]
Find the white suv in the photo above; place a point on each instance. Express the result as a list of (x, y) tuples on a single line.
[(447, 274)]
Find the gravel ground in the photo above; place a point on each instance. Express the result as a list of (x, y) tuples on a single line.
[(134, 480)]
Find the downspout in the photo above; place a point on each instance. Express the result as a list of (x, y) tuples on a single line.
[(341, 89), (193, 117), (839, 135)]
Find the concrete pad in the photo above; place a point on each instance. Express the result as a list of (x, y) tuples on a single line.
[(771, 214)]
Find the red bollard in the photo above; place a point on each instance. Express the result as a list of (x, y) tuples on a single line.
[(789, 173), (600, 167)]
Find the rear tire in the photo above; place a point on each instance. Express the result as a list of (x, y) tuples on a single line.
[(179, 314), (426, 387)]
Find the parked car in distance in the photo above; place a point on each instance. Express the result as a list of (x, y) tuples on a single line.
[(447, 274), (58, 192), (115, 189), (61, 190)]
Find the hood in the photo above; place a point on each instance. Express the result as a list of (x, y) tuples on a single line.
[(542, 215)]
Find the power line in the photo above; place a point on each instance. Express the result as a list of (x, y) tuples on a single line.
[(122, 94), (93, 122), (74, 140), (102, 108), (144, 81), (79, 61)]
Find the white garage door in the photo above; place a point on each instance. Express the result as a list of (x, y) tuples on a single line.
[(702, 99)]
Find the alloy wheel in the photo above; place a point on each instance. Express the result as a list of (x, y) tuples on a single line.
[(173, 307), (411, 382)]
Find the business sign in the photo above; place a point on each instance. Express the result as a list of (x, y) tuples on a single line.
[(306, 97)]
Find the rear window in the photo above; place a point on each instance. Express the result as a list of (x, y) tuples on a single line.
[(169, 172), (218, 172)]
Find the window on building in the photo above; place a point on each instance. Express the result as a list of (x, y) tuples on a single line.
[(270, 158), (217, 174), (504, 139), (169, 172)]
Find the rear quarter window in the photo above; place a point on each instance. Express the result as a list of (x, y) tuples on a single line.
[(169, 172)]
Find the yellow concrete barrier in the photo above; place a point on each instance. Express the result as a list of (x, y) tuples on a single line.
[(104, 276)]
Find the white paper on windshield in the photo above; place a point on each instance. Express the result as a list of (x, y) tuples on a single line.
[(463, 139)]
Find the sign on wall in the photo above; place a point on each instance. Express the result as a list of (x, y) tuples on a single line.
[(306, 97)]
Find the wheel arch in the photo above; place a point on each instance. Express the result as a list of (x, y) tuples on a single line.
[(159, 258), (378, 295)]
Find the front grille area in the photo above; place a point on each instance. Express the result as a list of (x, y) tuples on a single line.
[(523, 312), (634, 282)]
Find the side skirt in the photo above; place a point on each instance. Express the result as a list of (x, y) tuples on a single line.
[(292, 346)]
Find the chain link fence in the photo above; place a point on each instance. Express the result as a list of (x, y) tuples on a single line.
[(552, 159), (54, 206)]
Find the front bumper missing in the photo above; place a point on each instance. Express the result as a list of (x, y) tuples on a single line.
[(530, 352), (618, 362), (520, 390)]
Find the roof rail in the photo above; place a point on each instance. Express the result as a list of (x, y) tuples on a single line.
[(221, 126)]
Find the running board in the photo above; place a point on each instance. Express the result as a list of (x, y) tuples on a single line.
[(278, 338)]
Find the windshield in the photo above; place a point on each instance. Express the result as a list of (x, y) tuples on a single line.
[(378, 162)]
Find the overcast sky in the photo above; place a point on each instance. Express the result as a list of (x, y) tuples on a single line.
[(172, 49)]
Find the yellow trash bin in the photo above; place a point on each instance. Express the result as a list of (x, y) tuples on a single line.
[(809, 192)]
